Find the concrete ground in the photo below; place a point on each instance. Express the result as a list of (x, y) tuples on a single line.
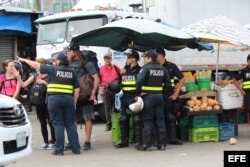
[(104, 154)]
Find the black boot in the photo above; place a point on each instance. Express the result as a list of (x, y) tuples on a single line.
[(147, 140), (175, 141), (124, 125), (171, 125), (162, 139), (138, 131)]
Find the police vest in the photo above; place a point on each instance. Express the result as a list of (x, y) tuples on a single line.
[(154, 81), (62, 82), (168, 67), (129, 81), (246, 79)]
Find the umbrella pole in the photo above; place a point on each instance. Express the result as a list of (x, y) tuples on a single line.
[(217, 64)]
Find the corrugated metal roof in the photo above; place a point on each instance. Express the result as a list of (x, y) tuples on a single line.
[(11, 9)]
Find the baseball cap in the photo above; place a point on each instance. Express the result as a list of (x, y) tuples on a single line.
[(132, 54), (160, 51), (73, 46), (62, 57), (109, 54), (151, 53)]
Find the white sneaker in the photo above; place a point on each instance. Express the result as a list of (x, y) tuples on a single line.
[(50, 147), (43, 146)]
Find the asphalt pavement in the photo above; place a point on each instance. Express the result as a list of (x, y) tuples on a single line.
[(103, 153)]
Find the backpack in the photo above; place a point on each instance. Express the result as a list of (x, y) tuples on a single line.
[(87, 81), (90, 56), (38, 94)]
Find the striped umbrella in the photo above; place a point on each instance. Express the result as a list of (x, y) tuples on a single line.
[(219, 30)]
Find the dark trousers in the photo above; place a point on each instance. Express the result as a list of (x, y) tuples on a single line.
[(62, 112), (152, 113), (44, 119), (126, 114), (247, 101), (170, 116), (109, 104)]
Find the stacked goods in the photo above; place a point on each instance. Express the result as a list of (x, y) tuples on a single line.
[(203, 78), (204, 104), (189, 81)]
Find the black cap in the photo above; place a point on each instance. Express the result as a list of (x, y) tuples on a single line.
[(133, 54), (62, 57), (248, 57), (151, 53), (73, 46), (160, 51)]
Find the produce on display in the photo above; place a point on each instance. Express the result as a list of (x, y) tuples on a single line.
[(202, 104), (189, 77), (224, 83), (202, 74)]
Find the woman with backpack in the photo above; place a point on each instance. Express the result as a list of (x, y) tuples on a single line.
[(8, 82), (39, 81)]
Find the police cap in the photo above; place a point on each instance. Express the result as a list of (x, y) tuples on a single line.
[(133, 54), (62, 57), (151, 53)]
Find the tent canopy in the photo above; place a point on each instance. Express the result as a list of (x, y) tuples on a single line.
[(16, 22)]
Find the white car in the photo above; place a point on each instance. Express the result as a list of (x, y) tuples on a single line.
[(15, 131)]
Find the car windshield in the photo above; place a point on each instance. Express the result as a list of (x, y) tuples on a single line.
[(54, 32), (79, 26)]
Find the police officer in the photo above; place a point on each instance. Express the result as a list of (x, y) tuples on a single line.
[(244, 74), (63, 91), (129, 93), (150, 82), (171, 95)]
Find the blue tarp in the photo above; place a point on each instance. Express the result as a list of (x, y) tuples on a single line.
[(16, 22)]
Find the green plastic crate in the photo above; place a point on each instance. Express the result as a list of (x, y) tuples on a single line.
[(116, 132), (204, 121), (203, 134), (182, 129)]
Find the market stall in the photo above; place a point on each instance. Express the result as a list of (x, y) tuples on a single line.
[(209, 115)]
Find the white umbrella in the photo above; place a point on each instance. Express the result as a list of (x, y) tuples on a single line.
[(219, 30)]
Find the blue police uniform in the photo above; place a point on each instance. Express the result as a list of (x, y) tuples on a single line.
[(61, 107), (151, 80), (128, 81)]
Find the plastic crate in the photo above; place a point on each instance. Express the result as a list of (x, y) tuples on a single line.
[(116, 132), (182, 129), (230, 116), (203, 121), (203, 135), (226, 131)]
